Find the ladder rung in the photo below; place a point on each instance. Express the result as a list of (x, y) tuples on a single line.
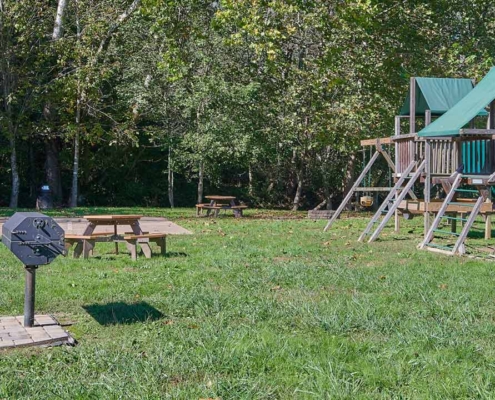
[(467, 191), (446, 232), (456, 203), (437, 246), (455, 218)]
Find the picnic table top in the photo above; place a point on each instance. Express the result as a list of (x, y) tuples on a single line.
[(215, 197), (112, 217)]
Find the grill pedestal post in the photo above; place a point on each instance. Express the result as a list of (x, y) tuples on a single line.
[(29, 291)]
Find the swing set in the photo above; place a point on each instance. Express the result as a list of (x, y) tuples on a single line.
[(366, 200)]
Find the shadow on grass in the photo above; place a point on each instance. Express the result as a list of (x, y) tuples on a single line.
[(105, 257), (172, 254), (122, 313)]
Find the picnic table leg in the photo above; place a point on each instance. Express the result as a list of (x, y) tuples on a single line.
[(145, 246), (67, 246), (237, 213), (212, 204), (116, 243), (84, 247), (132, 247), (89, 229), (88, 246), (162, 243), (78, 249)]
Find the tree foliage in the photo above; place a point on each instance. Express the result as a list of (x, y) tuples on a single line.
[(266, 99)]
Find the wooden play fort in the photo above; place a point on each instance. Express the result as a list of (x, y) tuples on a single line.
[(448, 154)]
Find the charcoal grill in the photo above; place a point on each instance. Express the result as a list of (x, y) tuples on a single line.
[(35, 239)]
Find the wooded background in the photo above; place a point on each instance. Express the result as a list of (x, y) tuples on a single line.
[(155, 102)]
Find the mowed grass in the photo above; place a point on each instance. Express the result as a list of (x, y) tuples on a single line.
[(262, 307)]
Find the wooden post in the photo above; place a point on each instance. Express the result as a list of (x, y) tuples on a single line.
[(453, 223), (427, 117), (488, 221), (427, 189), (412, 107), (397, 133), (397, 163), (397, 217), (488, 226), (491, 117)]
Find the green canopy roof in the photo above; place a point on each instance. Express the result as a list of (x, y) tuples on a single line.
[(437, 95), (473, 104)]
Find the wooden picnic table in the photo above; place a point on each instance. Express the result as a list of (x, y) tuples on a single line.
[(87, 240), (218, 203), (113, 220)]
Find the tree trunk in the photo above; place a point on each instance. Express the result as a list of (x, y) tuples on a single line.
[(59, 18), (16, 183), (74, 192), (200, 182), (7, 81), (32, 172), (250, 175), (170, 178), (325, 161), (297, 197), (52, 165), (349, 177), (52, 169)]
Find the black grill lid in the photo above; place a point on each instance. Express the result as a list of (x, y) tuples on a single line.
[(34, 238)]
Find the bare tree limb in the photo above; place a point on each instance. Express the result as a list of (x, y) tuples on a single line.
[(114, 27)]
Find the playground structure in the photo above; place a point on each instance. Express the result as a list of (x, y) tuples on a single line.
[(453, 151)]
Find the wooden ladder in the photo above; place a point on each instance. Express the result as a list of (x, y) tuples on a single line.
[(471, 209), (391, 203)]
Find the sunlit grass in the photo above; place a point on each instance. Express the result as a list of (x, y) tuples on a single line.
[(267, 306)]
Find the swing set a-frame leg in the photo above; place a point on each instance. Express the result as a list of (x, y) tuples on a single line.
[(352, 190)]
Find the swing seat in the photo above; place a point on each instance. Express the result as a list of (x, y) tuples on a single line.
[(407, 215), (366, 201)]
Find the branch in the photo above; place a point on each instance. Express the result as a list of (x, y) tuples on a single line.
[(114, 27)]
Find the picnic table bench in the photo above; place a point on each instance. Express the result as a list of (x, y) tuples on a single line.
[(215, 207)]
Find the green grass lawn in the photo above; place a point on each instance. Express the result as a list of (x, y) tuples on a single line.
[(264, 307)]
